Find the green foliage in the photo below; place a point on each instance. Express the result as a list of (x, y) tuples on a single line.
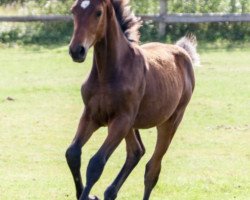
[(205, 31), (61, 32), (145, 7), (41, 33), (5, 2), (192, 6), (45, 33), (210, 32), (40, 2)]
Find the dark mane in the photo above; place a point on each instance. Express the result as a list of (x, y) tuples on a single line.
[(129, 23)]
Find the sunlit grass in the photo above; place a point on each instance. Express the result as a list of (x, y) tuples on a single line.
[(209, 158)]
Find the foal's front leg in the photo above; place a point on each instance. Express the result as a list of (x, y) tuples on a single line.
[(117, 130), (73, 154)]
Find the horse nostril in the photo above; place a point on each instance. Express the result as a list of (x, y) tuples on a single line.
[(81, 51), (78, 53)]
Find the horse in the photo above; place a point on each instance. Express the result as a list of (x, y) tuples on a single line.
[(130, 87)]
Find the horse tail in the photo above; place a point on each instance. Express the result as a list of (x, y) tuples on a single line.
[(189, 43)]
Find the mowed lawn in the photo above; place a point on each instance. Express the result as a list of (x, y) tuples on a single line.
[(40, 105)]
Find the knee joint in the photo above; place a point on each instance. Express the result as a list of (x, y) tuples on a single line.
[(73, 155), (135, 157), (139, 153)]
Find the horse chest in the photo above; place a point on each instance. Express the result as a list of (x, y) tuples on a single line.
[(103, 102)]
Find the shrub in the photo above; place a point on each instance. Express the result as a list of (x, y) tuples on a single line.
[(61, 32)]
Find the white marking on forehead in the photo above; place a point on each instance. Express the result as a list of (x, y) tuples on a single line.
[(85, 4)]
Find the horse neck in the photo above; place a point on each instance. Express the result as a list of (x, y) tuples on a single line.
[(110, 50)]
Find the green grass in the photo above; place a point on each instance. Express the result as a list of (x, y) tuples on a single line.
[(209, 158)]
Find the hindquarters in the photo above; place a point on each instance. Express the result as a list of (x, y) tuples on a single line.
[(169, 83), (176, 66)]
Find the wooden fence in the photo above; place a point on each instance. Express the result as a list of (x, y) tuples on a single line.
[(162, 19), (169, 18), (40, 18)]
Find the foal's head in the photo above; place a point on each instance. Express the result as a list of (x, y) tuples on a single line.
[(89, 26)]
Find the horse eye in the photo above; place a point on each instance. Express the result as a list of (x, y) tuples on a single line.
[(99, 13)]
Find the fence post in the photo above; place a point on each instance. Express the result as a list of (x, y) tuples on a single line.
[(163, 12)]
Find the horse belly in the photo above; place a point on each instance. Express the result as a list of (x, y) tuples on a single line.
[(153, 115)]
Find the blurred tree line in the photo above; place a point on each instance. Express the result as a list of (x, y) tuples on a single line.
[(205, 31), (61, 32)]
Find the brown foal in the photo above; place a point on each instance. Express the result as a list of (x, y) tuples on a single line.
[(130, 87)]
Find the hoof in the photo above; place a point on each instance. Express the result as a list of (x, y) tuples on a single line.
[(91, 197)]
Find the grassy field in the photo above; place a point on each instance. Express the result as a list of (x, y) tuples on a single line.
[(209, 158)]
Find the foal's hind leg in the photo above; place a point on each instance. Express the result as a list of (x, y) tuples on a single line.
[(73, 154), (135, 150), (165, 135)]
